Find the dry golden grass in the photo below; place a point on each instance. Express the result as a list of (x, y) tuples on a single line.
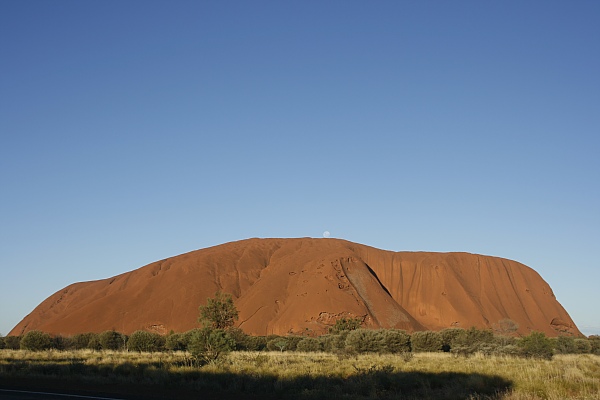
[(321, 375)]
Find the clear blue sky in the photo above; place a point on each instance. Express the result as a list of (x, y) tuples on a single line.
[(133, 131)]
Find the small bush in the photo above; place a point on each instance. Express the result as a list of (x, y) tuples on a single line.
[(36, 341), (396, 341), (346, 324), (448, 336), (426, 341), (12, 342), (583, 346), (88, 340), (256, 343), (277, 344), (536, 345), (595, 344), (473, 340), (332, 343), (565, 345), (145, 341), (1, 342), (293, 342), (365, 341), (175, 342), (61, 343), (208, 345), (111, 340), (94, 343), (309, 344), (186, 337)]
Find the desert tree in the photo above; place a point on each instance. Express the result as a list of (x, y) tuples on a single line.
[(505, 327), (219, 313), (207, 345), (279, 343)]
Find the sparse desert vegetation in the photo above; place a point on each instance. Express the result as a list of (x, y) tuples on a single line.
[(348, 363), (316, 375)]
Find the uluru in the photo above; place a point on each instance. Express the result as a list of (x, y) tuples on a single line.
[(302, 286)]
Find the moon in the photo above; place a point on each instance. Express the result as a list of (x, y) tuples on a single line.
[(326, 234)]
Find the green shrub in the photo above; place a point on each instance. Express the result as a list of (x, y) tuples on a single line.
[(12, 342), (208, 345), (473, 340), (309, 344), (1, 342), (293, 342), (377, 341), (333, 343), (595, 344), (219, 313), (396, 341), (346, 324), (508, 350), (536, 345), (278, 343), (365, 341), (186, 337), (565, 345), (36, 341), (448, 336), (88, 340), (94, 343), (583, 346), (111, 340), (426, 341), (256, 343), (145, 341), (61, 343), (175, 342)]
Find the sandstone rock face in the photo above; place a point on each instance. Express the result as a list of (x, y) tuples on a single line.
[(302, 286)]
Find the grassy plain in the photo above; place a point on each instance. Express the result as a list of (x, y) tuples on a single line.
[(244, 375)]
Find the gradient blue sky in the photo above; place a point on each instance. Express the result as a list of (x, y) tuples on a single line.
[(133, 131)]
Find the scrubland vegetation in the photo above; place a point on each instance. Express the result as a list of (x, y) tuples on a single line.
[(348, 363), (315, 375)]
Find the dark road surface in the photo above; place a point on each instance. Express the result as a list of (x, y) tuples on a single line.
[(6, 394)]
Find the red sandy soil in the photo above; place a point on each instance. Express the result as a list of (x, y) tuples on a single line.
[(302, 286)]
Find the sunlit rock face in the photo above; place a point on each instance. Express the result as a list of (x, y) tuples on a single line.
[(302, 286)]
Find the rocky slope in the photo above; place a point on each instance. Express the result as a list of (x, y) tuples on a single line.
[(302, 286)]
